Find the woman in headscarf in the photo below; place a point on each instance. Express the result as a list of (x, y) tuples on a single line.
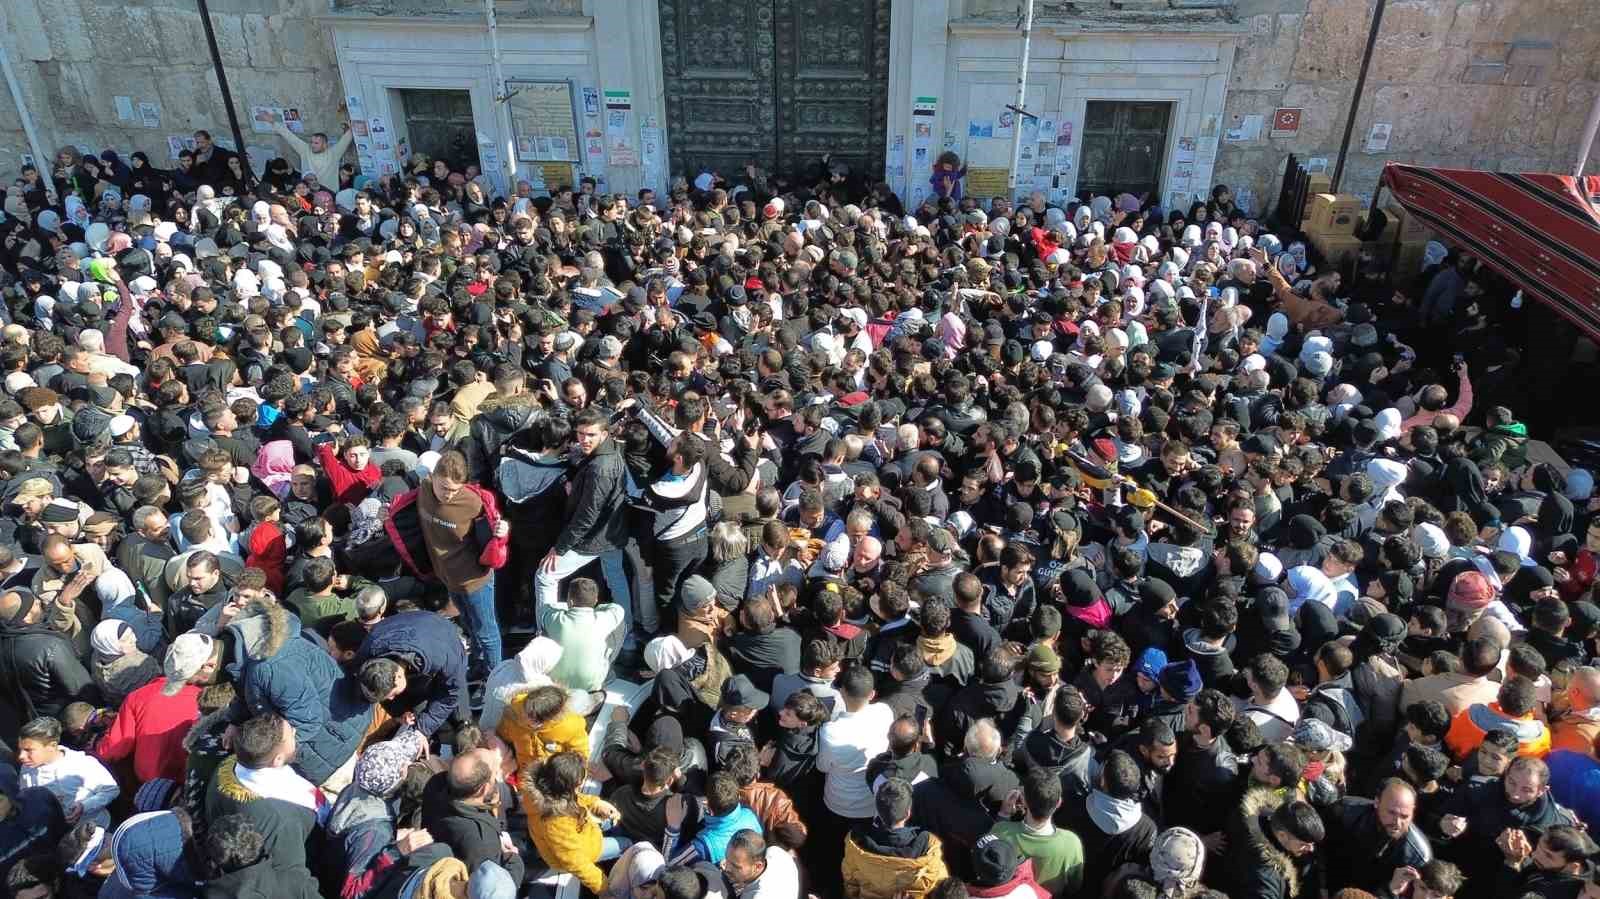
[(1526, 588), (363, 820), (1277, 330), (1467, 493), (1557, 517), (116, 663), (953, 334)]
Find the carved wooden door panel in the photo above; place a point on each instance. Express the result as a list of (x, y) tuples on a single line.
[(833, 78), (1123, 145), (439, 124), (776, 83), (718, 62)]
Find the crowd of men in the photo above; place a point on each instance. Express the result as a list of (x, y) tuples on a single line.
[(1094, 550)]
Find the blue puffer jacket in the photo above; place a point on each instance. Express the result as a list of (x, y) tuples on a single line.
[(430, 647), (278, 667), (148, 848)]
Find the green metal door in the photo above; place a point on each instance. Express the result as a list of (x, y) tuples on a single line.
[(776, 83), (440, 126), (1123, 147)]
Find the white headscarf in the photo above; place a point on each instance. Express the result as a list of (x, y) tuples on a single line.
[(106, 638)]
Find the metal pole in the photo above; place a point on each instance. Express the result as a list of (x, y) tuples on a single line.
[(508, 149), (1022, 97), (41, 161), (227, 95), (1588, 139), (1355, 98)]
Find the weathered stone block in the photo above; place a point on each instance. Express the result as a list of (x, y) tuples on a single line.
[(1331, 41), (1410, 39), (258, 41), (1267, 57)]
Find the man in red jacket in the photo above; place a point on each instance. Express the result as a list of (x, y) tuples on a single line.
[(155, 719), (350, 471)]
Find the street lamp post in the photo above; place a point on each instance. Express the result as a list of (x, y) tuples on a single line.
[(227, 95)]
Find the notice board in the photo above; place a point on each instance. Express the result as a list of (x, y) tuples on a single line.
[(544, 120)]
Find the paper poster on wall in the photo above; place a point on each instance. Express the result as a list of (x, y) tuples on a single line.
[(124, 108), (595, 149), (1209, 125), (919, 159), (150, 114), (358, 128), (354, 107), (1004, 123), (897, 152), (1064, 134), (1245, 199), (1286, 121), (175, 145), (293, 121), (1317, 165), (980, 128), (623, 154), (263, 118), (1030, 130), (988, 182), (616, 123), (1047, 129), (622, 100), (1186, 150), (651, 141), (591, 101), (1378, 137), (1248, 129), (542, 119), (951, 140), (925, 107)]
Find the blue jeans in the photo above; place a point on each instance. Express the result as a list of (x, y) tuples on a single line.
[(482, 627), (546, 583), (612, 847)]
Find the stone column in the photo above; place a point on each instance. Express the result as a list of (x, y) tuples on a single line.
[(627, 37)]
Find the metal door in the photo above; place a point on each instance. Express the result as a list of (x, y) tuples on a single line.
[(776, 83), (1123, 147), (439, 124)]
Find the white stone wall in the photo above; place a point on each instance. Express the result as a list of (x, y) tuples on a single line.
[(970, 65), (73, 58)]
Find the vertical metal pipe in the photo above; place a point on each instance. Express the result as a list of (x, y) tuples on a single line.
[(508, 147), (1588, 139), (1355, 98), (41, 161), (227, 95), (1022, 97)]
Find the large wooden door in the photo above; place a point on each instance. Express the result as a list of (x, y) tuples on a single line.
[(1123, 146), (777, 83), (439, 124)]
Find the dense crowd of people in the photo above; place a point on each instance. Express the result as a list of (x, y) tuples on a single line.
[(967, 550)]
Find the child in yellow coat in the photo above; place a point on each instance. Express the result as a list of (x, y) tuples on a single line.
[(566, 824), (537, 725)]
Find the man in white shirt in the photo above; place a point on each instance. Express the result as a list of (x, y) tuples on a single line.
[(760, 871), (1271, 706), (848, 742)]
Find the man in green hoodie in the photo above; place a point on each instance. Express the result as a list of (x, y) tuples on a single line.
[(1504, 440)]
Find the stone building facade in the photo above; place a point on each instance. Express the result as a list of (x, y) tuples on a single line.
[(1160, 96)]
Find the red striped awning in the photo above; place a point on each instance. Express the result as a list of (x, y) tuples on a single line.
[(1540, 231)]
